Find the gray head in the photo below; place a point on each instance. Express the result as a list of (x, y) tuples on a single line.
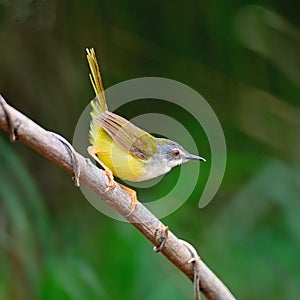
[(168, 155), (174, 154)]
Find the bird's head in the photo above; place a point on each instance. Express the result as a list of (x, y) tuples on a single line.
[(172, 154)]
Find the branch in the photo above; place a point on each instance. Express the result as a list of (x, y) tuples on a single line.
[(57, 150)]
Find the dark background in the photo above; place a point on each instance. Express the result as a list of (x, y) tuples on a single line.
[(243, 57)]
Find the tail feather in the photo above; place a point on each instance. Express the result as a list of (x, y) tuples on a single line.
[(96, 79), (99, 103)]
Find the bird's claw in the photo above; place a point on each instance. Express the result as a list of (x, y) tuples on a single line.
[(111, 181)]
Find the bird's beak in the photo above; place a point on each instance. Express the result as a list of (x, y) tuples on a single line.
[(194, 157)]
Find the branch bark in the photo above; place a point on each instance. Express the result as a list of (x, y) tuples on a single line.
[(54, 149)]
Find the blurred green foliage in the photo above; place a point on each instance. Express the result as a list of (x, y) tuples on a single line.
[(243, 58)]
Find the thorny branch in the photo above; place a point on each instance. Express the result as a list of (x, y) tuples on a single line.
[(56, 149)]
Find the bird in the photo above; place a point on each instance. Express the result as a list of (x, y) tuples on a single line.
[(123, 149)]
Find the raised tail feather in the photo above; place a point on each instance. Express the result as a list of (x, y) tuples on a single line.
[(98, 103)]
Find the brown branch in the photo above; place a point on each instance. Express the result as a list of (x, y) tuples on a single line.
[(56, 150)]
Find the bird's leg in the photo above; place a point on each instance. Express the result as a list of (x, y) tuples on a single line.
[(132, 193), (92, 150)]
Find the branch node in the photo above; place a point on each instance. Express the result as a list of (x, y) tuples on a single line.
[(12, 128), (161, 235), (74, 160), (195, 259)]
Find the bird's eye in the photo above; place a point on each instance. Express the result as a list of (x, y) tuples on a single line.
[(176, 153)]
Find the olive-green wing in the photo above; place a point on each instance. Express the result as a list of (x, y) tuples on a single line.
[(136, 141)]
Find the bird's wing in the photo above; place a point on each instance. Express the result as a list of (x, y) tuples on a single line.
[(136, 141)]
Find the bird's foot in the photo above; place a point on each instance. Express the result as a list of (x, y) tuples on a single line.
[(111, 181), (134, 200)]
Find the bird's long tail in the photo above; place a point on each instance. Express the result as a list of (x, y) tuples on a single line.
[(96, 80), (99, 102)]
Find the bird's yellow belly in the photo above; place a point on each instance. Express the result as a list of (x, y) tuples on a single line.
[(120, 162)]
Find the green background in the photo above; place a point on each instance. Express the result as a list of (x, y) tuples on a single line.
[(243, 57)]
